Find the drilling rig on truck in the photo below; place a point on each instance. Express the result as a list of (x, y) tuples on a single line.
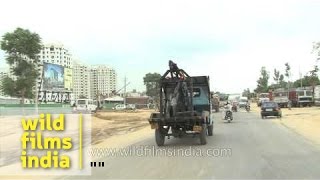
[(185, 106)]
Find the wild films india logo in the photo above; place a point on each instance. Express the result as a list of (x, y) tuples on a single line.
[(33, 139)]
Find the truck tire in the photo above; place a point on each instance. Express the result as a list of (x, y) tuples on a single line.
[(210, 130), (159, 137), (203, 135)]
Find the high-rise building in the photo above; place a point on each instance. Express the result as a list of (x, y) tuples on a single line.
[(81, 80), (103, 80), (55, 54)]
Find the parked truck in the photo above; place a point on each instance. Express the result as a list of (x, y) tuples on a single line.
[(185, 106), (262, 97), (301, 98), (317, 95), (280, 96)]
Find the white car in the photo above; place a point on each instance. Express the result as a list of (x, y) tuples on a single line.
[(123, 107), (85, 105), (119, 107), (243, 102)]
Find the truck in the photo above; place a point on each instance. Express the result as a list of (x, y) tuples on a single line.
[(280, 96), (243, 102), (301, 97), (317, 95), (215, 102), (185, 106), (262, 97), (234, 99)]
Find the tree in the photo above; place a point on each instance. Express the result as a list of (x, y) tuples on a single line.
[(288, 73), (8, 86), (282, 83), (246, 93), (276, 76), (22, 48), (152, 80), (263, 80), (316, 49), (305, 81), (314, 77)]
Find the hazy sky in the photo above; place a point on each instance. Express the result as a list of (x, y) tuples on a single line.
[(227, 40)]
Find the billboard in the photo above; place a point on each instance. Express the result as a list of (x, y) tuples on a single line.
[(68, 79), (53, 77)]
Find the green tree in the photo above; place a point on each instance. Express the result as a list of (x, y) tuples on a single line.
[(306, 81), (22, 48), (316, 49), (262, 82), (288, 73), (8, 86), (276, 76), (152, 80), (314, 77), (246, 93), (281, 81)]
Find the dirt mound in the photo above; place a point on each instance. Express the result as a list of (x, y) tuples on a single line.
[(108, 124)]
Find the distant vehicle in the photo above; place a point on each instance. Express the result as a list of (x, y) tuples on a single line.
[(119, 107), (301, 98), (243, 102), (124, 107), (270, 108), (86, 105), (228, 113), (234, 98), (317, 95), (281, 97), (263, 97), (215, 102)]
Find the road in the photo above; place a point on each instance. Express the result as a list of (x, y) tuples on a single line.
[(260, 149)]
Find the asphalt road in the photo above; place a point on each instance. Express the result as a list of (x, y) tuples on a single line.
[(260, 149)]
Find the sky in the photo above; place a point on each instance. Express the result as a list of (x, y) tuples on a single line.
[(227, 40)]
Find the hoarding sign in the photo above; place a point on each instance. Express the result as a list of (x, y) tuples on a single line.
[(53, 77)]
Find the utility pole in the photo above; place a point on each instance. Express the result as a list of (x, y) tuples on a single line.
[(300, 77)]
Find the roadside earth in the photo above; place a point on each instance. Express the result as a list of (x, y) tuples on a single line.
[(304, 121), (108, 124)]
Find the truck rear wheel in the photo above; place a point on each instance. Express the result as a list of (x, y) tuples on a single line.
[(159, 137), (203, 135)]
